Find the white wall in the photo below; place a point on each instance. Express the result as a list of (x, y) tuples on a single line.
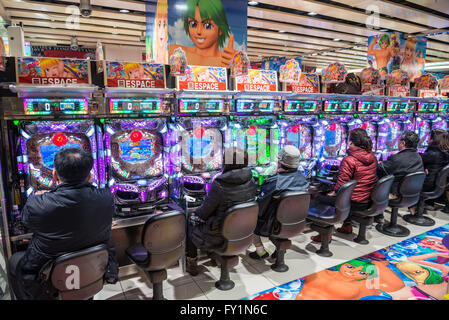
[(122, 53)]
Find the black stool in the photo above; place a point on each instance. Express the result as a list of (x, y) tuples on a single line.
[(291, 216), (440, 186), (409, 191), (237, 230), (379, 202), (163, 242), (324, 217)]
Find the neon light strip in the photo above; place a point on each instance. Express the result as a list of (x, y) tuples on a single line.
[(183, 104), (306, 106)]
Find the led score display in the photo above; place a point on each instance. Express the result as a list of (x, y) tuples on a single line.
[(443, 107), (338, 106), (428, 107), (135, 106), (395, 106), (370, 106), (301, 106), (47, 106), (255, 105), (196, 105)]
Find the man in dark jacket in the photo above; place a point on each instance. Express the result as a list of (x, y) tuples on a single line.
[(406, 161), (73, 216), (234, 186), (288, 178)]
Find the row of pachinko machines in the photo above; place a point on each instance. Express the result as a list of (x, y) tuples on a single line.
[(153, 148)]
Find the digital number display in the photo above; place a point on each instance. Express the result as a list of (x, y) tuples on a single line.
[(443, 107), (298, 106), (135, 106), (47, 106), (428, 106), (338, 106), (196, 105), (395, 106), (255, 105), (370, 106)]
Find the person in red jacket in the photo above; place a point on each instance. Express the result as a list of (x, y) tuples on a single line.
[(360, 164)]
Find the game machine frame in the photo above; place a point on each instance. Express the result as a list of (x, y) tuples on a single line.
[(199, 123), (49, 113), (370, 111), (253, 121), (332, 135), (443, 113), (398, 118), (299, 120)]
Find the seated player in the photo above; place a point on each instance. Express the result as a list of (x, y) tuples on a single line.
[(434, 159), (360, 164), (287, 178), (73, 216), (234, 186), (406, 161)]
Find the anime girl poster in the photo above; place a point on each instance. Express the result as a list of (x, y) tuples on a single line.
[(414, 269), (392, 51), (210, 32)]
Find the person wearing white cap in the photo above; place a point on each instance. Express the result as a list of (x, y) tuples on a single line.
[(287, 178)]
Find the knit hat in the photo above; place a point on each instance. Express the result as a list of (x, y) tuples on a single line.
[(289, 157)]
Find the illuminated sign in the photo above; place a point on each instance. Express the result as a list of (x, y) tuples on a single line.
[(370, 106), (338, 106), (427, 107), (396, 106), (46, 106), (300, 106), (197, 105), (255, 105), (135, 106), (443, 107)]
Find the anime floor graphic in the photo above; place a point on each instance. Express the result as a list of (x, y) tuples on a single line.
[(414, 269)]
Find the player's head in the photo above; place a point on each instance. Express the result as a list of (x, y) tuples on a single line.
[(288, 158), (440, 139), (409, 139), (360, 138), (206, 23), (72, 165)]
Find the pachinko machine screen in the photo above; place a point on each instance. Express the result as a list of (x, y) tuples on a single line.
[(440, 124), (249, 105), (124, 106), (428, 107), (338, 106), (423, 128), (369, 127), (300, 136), (199, 105), (136, 149), (335, 140), (40, 141), (399, 107), (388, 137), (48, 106), (201, 150), (255, 140), (301, 106), (370, 106)]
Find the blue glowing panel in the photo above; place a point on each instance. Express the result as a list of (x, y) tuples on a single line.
[(48, 153), (199, 147), (136, 151)]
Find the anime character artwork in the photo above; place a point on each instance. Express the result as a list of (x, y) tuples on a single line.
[(414, 269), (210, 32)]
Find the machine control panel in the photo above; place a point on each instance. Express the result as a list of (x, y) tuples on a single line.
[(52, 106)]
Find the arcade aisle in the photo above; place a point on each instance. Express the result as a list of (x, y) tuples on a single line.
[(255, 280)]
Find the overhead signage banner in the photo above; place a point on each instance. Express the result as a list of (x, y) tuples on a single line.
[(210, 32), (392, 51), (257, 80), (52, 71), (134, 75), (203, 78)]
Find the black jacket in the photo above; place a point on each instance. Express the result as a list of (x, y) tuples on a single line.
[(228, 189), (400, 164), (274, 185), (69, 218), (434, 160)]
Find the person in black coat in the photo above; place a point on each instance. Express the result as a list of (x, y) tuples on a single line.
[(73, 216), (234, 186), (406, 161), (434, 159)]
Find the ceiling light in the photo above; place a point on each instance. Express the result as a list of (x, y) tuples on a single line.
[(124, 11), (383, 30), (281, 31), (312, 13), (181, 6), (337, 40), (253, 3)]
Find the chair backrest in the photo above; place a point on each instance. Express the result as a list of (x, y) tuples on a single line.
[(291, 213), (163, 237), (343, 201), (79, 275), (238, 228), (409, 190), (440, 182), (380, 195)]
